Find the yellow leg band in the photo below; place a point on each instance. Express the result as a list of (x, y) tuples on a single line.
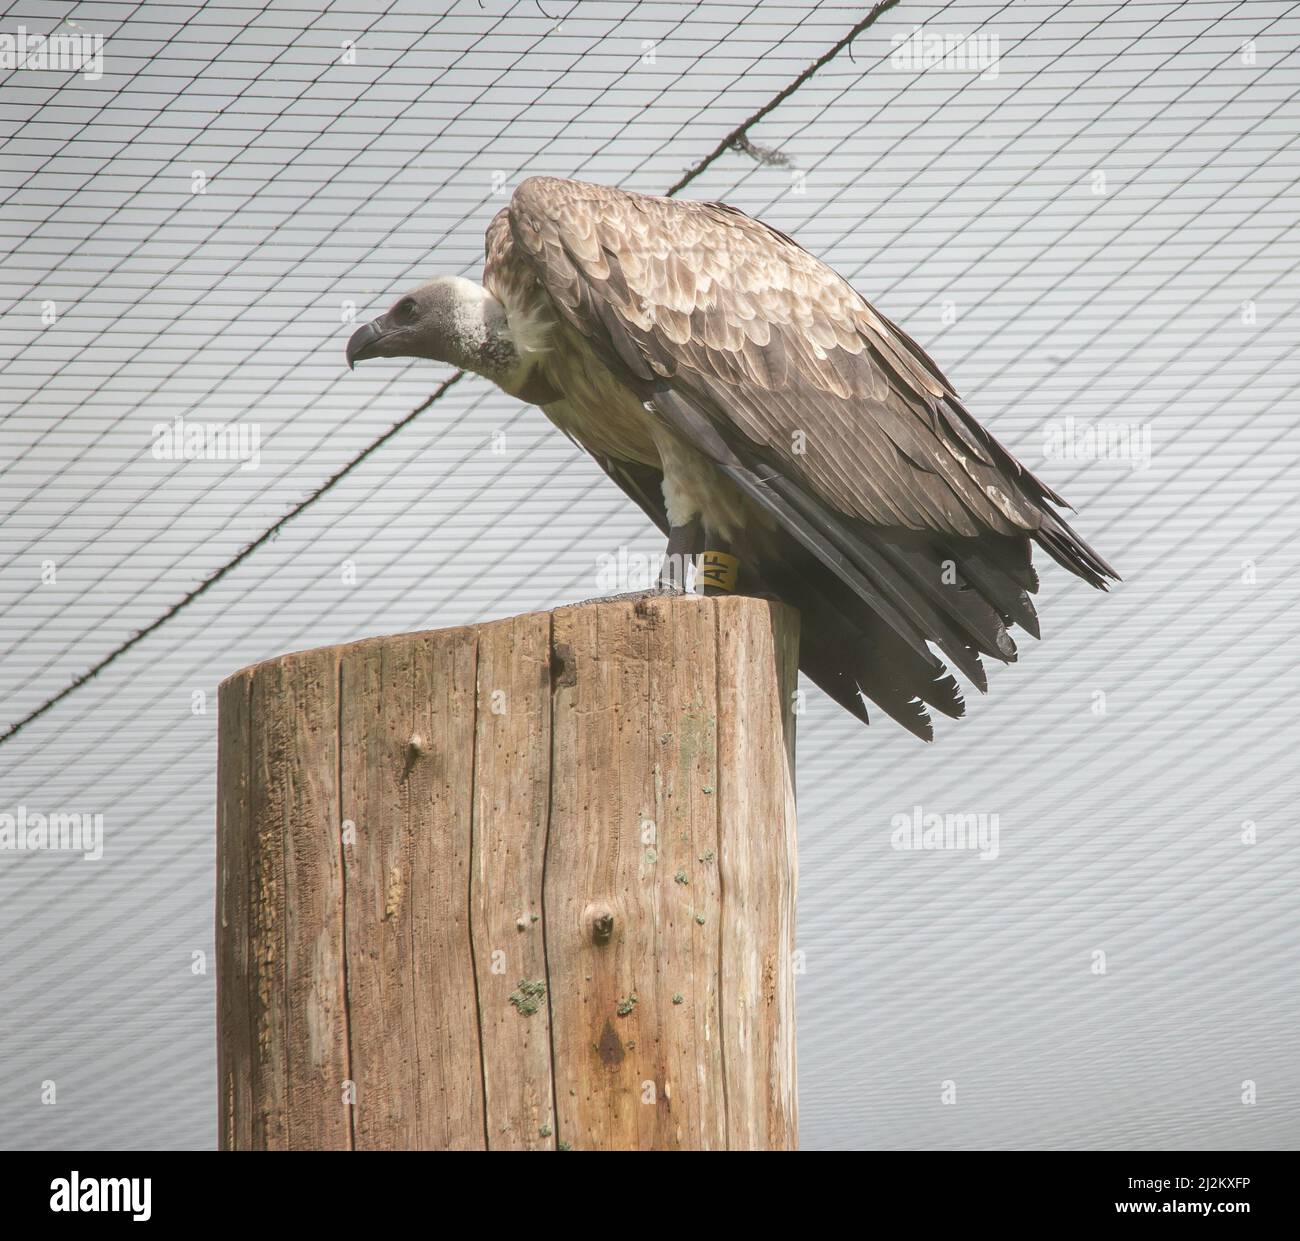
[(717, 569)]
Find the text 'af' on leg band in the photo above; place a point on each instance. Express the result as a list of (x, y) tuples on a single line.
[(717, 569)]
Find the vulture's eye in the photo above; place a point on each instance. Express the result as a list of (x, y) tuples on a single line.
[(405, 310)]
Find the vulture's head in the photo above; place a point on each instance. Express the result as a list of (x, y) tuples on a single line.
[(450, 319), (456, 321)]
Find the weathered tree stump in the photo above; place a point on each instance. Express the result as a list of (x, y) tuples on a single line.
[(520, 885)]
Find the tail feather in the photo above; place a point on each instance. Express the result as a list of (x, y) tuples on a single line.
[(849, 652), (996, 571), (941, 576)]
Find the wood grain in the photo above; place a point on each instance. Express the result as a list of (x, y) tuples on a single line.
[(407, 726), (235, 988), (512, 782), (521, 885), (759, 873)]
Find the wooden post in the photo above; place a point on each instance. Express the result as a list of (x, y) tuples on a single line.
[(520, 885)]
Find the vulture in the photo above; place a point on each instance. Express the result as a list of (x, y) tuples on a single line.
[(770, 421)]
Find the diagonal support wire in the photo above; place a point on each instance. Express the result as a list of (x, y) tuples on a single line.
[(735, 140), (243, 554)]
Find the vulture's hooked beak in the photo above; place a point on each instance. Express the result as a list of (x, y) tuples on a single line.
[(365, 341)]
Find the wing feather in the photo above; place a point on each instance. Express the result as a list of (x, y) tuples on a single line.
[(819, 408), (866, 401)]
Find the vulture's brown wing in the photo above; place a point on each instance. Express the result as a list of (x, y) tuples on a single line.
[(814, 404), (741, 319)]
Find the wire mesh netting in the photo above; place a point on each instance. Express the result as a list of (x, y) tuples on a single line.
[(1093, 231)]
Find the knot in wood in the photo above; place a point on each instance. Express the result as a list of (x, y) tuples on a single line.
[(600, 918)]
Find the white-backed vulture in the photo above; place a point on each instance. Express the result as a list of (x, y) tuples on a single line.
[(753, 404)]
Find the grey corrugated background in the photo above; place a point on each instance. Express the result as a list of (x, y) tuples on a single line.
[(331, 182)]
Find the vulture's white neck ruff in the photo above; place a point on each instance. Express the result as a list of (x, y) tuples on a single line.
[(471, 329), (473, 332)]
